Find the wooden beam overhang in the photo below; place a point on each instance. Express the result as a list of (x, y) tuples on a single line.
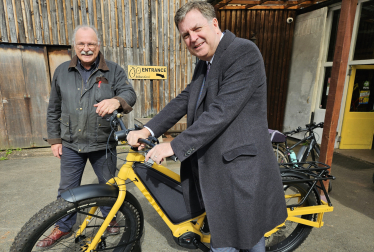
[(263, 4)]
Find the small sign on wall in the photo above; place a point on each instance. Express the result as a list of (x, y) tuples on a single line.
[(147, 72)]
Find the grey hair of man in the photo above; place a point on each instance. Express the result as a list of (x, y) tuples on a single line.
[(85, 27), (206, 9)]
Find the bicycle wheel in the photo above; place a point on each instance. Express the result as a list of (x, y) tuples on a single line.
[(129, 218), (279, 152), (293, 234)]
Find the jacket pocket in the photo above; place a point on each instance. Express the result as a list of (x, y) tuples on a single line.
[(104, 90), (102, 130), (65, 127), (245, 150)]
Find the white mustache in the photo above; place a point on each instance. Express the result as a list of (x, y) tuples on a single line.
[(87, 53)]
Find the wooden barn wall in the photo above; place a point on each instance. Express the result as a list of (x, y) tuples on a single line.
[(273, 36), (132, 32)]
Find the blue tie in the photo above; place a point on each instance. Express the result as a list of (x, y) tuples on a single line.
[(202, 86)]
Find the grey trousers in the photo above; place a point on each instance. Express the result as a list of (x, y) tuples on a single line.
[(72, 167), (259, 247)]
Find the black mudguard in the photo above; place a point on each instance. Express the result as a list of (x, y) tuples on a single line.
[(289, 173), (98, 190), (89, 191)]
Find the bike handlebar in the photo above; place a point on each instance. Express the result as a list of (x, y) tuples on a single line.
[(309, 127), (122, 134)]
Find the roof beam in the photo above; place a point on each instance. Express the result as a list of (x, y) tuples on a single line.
[(264, 4), (222, 3), (249, 5)]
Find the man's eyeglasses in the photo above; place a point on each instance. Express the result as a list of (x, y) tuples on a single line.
[(90, 46)]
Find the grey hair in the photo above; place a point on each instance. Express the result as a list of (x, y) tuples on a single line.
[(206, 9), (85, 27)]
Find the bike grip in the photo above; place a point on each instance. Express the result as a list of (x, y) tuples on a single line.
[(142, 140), (174, 158)]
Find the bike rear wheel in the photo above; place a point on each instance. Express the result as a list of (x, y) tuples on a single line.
[(280, 154), (293, 234), (129, 219)]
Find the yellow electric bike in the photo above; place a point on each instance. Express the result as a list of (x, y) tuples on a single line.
[(162, 188)]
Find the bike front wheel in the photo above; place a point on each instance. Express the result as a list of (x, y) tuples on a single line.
[(129, 219), (292, 234)]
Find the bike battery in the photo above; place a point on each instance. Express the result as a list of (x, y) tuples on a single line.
[(166, 192)]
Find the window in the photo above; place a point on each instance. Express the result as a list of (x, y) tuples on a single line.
[(364, 48), (330, 58)]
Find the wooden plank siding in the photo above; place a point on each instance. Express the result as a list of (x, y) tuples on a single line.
[(132, 32), (141, 32), (273, 36)]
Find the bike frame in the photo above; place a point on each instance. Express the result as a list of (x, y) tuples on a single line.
[(192, 225)]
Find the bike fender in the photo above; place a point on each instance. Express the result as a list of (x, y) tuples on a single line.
[(289, 173), (89, 191)]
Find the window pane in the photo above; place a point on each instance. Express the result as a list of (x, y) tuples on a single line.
[(326, 86), (363, 91), (365, 37), (334, 33)]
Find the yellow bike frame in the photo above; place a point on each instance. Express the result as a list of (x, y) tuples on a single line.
[(193, 225)]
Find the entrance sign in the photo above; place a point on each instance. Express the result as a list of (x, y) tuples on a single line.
[(147, 72)]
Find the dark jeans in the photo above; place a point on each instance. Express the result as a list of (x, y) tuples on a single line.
[(72, 167)]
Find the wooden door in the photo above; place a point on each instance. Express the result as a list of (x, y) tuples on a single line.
[(24, 96)]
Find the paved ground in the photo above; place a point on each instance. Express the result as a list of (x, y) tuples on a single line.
[(29, 181)]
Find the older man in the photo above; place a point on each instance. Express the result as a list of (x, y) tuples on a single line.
[(228, 165), (84, 92)]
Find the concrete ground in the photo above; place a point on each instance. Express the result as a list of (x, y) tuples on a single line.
[(29, 180)]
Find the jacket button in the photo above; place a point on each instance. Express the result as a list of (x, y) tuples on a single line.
[(79, 130), (80, 108), (79, 150)]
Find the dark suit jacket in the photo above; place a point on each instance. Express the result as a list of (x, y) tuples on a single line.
[(228, 137)]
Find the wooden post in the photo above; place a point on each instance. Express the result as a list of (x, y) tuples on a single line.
[(338, 75)]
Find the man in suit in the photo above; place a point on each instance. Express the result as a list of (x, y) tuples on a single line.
[(227, 163)]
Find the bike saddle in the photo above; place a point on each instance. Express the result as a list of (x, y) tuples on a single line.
[(276, 136)]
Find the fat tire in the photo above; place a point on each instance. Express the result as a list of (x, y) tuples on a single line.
[(32, 231), (301, 231)]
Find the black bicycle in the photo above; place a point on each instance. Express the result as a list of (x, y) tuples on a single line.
[(309, 146)]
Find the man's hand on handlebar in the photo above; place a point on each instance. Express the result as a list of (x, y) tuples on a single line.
[(134, 136), (57, 150), (160, 152)]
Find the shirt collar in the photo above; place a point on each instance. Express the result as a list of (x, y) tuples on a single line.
[(94, 64), (211, 61)]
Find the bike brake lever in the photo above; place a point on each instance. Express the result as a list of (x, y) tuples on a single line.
[(153, 139), (172, 157)]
